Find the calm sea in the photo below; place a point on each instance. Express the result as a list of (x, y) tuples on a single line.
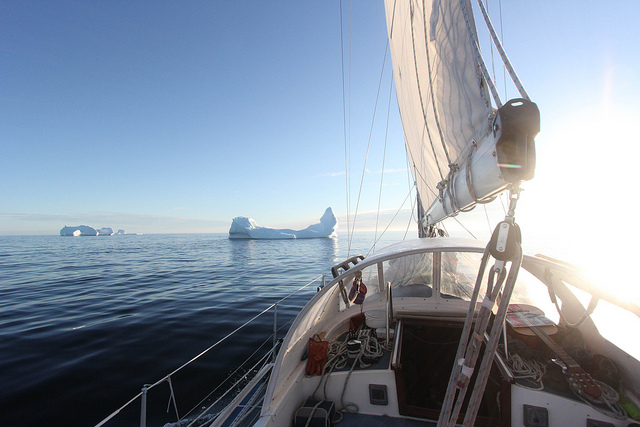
[(85, 322)]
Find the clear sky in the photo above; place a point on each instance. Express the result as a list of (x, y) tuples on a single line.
[(160, 116)]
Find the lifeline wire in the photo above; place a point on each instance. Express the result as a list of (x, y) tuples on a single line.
[(165, 378)]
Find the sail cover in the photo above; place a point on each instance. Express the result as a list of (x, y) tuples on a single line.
[(442, 96)]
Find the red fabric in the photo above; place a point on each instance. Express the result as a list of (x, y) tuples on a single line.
[(356, 321), (317, 356)]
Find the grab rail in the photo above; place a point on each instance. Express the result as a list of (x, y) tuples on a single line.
[(345, 265), (147, 387)]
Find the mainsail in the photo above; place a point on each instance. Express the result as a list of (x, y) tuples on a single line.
[(456, 140)]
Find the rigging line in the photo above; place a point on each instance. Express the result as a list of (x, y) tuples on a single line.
[(232, 333), (493, 62), (504, 208), (431, 90), (411, 165), (229, 390), (446, 232), (424, 114), (411, 180), (390, 222), (214, 345), (416, 171), (465, 228), (414, 205), (384, 154), (344, 123), (417, 175), (408, 162), (504, 70), (479, 59), (150, 386), (349, 109), (117, 411), (486, 214), (366, 158), (231, 375), (503, 54), (411, 217)]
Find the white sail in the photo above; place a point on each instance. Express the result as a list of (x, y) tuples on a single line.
[(445, 107)]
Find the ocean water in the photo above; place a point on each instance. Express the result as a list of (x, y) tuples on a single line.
[(85, 322)]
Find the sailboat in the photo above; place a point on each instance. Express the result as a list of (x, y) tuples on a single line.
[(438, 330)]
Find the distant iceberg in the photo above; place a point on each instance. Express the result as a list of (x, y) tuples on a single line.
[(105, 231), (85, 230), (80, 230), (246, 228)]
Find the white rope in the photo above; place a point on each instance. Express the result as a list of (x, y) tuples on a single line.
[(369, 348), (339, 356), (527, 369), (533, 370), (609, 398)]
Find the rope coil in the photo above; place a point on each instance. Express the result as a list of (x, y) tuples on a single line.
[(527, 369), (357, 349)]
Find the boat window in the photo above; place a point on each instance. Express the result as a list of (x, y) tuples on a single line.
[(458, 277), (370, 279), (411, 275)]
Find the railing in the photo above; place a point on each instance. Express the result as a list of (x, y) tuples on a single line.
[(146, 387)]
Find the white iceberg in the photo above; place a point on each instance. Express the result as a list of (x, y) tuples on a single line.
[(246, 228), (80, 230), (105, 231)]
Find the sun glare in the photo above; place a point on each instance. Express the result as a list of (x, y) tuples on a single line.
[(583, 193)]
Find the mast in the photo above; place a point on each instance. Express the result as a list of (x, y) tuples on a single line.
[(422, 231)]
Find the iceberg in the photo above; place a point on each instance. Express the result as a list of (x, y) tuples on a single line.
[(80, 230), (246, 228), (105, 231)]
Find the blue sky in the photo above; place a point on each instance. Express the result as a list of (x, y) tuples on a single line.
[(158, 116)]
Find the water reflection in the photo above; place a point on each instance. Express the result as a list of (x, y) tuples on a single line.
[(323, 251), (242, 251)]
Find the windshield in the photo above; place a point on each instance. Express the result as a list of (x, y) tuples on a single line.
[(449, 275)]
